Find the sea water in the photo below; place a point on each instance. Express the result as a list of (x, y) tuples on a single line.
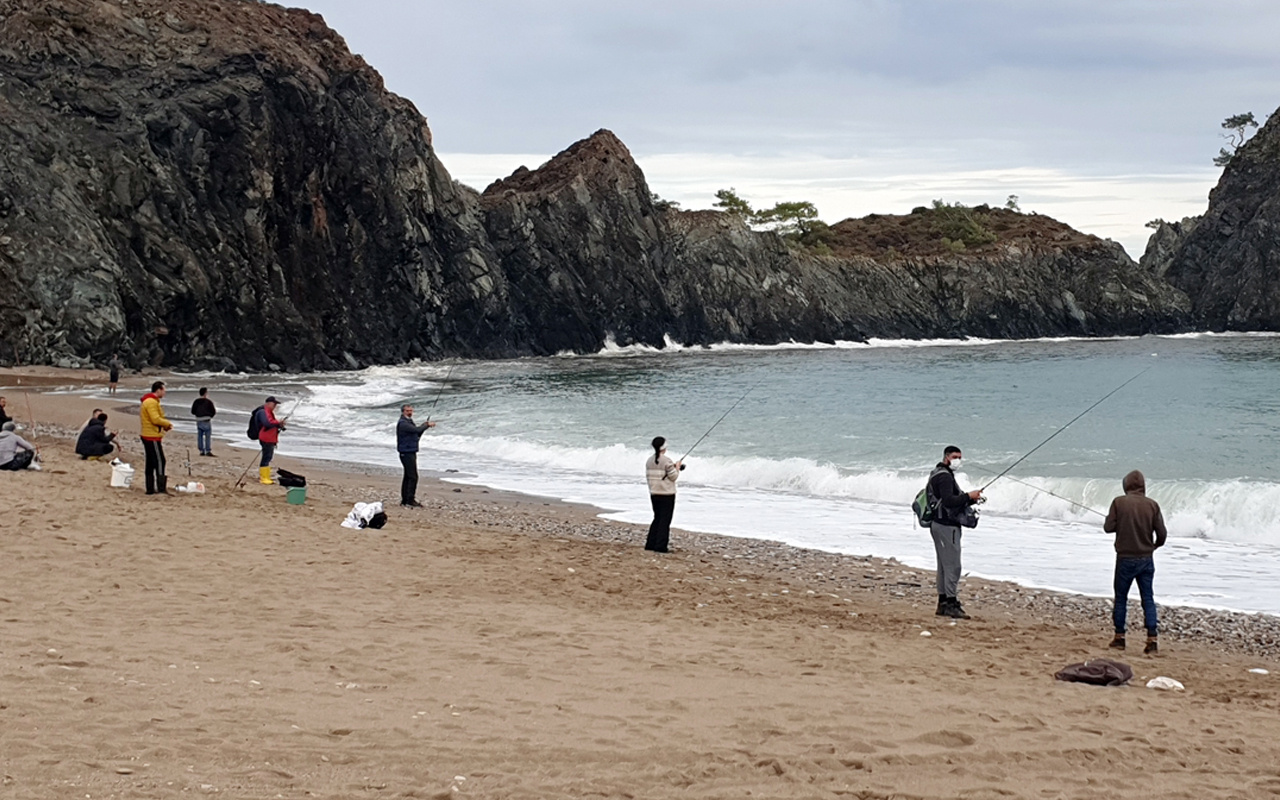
[(828, 444)]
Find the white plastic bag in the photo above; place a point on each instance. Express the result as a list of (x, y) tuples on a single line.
[(360, 515), (1167, 684)]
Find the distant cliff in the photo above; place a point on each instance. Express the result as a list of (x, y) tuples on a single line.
[(222, 184), (1228, 260)]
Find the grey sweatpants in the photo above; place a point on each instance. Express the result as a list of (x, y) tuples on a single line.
[(946, 541)]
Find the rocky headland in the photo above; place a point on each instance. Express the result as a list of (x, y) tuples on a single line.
[(224, 185)]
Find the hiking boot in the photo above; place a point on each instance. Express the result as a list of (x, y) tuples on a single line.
[(1118, 642), (955, 610), (943, 605), (1152, 647)]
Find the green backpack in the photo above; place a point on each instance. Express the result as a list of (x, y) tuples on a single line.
[(924, 506)]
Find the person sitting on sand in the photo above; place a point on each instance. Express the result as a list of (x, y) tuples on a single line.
[(15, 452), (1136, 521), (661, 473), (95, 440)]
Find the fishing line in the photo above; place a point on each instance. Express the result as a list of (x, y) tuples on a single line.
[(1038, 489), (1064, 427), (722, 416)]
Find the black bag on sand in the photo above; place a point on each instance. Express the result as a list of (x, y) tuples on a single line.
[(1099, 671), (286, 478), (378, 520)]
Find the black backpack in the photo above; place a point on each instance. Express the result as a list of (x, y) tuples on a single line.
[(255, 427)]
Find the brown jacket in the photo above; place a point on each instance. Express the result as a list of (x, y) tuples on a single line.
[(1134, 518)]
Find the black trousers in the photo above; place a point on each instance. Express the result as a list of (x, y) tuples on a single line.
[(409, 483), (664, 507), (155, 465)]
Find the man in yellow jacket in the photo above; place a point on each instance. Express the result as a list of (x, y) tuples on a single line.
[(154, 427)]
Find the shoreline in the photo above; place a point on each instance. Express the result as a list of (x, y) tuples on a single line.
[(500, 645), (1239, 632)]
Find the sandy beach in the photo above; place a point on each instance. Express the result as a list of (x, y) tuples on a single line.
[(498, 646)]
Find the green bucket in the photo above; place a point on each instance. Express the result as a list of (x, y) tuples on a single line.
[(296, 495)]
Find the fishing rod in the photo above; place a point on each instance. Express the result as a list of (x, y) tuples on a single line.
[(443, 384), (1039, 489), (722, 416), (1064, 427)]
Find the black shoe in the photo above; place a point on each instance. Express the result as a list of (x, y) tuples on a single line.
[(411, 504), (943, 606), (1118, 642), (955, 610), (210, 455)]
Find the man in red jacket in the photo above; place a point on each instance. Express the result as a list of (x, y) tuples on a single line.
[(268, 436), (1136, 521)]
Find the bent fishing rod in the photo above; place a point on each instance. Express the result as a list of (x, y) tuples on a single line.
[(443, 384), (1039, 489), (722, 417), (1064, 427)]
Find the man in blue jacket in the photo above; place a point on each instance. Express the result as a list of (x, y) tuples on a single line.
[(407, 436)]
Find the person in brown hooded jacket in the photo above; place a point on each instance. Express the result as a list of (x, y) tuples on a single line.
[(1136, 521)]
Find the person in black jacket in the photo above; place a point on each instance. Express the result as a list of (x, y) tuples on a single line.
[(945, 528), (95, 441), (408, 435), (202, 409)]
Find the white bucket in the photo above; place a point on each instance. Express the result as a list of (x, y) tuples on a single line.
[(121, 476)]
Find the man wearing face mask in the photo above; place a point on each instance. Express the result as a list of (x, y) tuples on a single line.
[(945, 495)]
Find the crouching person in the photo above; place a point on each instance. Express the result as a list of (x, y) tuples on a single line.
[(15, 452), (95, 440)]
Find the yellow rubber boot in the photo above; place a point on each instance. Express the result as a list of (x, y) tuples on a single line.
[(264, 476)]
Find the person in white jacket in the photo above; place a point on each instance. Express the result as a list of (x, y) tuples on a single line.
[(662, 474)]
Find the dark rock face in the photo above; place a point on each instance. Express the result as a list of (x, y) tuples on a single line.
[(222, 184), (1228, 263)]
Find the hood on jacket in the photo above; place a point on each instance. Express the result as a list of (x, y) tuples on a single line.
[(149, 395), (1134, 483)]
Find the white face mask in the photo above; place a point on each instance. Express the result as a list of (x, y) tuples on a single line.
[(955, 463)]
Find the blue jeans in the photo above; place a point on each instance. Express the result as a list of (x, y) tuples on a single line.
[(204, 436), (268, 450), (1143, 570)]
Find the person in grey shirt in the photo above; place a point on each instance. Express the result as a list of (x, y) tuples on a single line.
[(15, 452)]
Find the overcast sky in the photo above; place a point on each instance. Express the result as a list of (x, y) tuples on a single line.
[(1102, 113)]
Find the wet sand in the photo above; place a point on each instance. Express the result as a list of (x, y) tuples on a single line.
[(495, 645)]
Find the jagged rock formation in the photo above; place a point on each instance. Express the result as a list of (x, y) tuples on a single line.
[(223, 184), (1228, 262)]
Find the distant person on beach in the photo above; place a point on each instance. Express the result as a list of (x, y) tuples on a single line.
[(95, 440), (154, 427), (202, 409), (4, 412), (15, 452), (1136, 521), (661, 473), (113, 368), (945, 529), (408, 435), (268, 437)]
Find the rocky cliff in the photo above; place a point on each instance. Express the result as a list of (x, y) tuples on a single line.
[(222, 184), (1228, 260)]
